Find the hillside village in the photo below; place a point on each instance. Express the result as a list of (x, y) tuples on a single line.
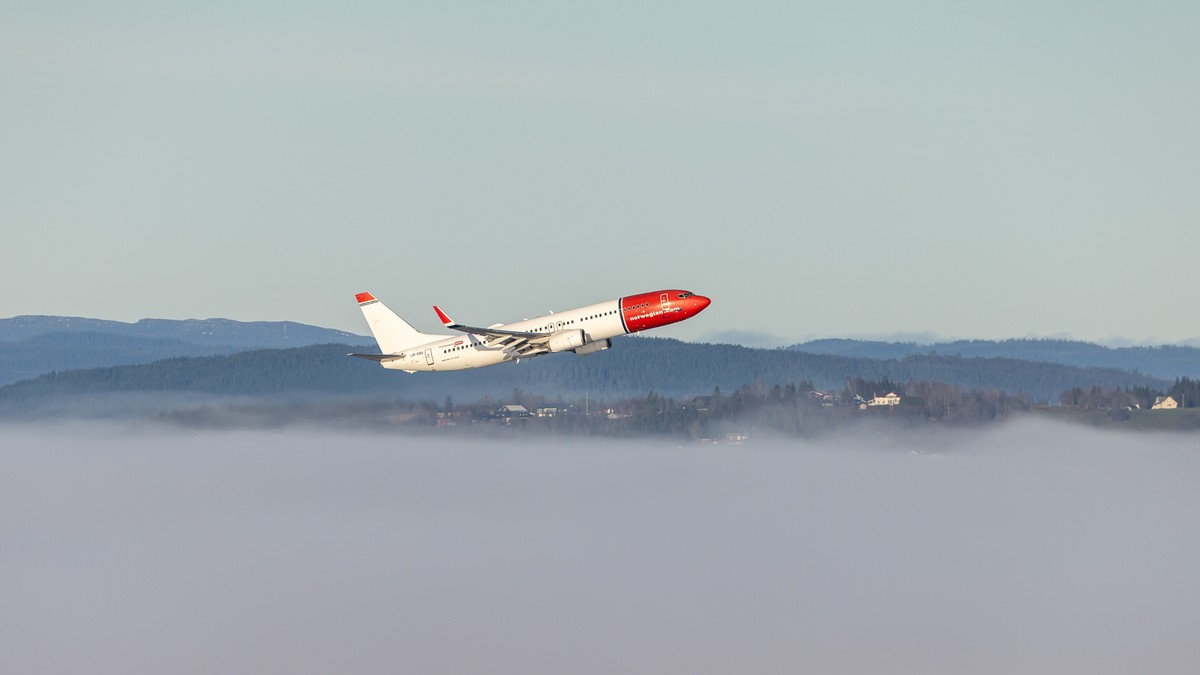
[(716, 417), (803, 409)]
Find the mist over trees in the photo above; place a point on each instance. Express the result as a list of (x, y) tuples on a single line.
[(147, 551)]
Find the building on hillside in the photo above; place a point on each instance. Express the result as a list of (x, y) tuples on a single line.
[(510, 414), (1164, 403), (827, 399), (892, 398)]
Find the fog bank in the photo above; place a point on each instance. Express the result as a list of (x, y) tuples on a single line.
[(1028, 548)]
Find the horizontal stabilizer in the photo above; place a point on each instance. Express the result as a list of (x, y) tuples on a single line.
[(378, 357)]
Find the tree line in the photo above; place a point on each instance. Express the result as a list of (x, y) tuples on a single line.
[(1185, 391)]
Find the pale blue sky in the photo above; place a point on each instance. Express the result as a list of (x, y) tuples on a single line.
[(964, 169)]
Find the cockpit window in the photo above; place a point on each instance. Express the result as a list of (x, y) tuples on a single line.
[(685, 295)]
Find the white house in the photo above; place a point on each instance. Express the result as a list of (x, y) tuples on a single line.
[(892, 398), (1164, 403)]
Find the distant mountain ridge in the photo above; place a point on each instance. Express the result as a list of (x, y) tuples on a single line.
[(223, 332), (1166, 361)]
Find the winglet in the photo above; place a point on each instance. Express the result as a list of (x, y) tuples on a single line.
[(364, 297), (446, 321)]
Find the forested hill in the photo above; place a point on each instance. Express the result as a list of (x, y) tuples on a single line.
[(1167, 361), (33, 345), (70, 351), (633, 367)]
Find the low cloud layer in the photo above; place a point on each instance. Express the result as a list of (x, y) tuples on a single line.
[(1031, 548)]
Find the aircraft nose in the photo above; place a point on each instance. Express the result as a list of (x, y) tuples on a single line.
[(701, 302)]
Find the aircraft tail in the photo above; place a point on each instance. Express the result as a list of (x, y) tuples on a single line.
[(393, 334)]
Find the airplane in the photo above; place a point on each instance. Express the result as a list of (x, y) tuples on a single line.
[(584, 330)]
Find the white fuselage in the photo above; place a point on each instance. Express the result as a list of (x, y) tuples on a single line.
[(460, 352)]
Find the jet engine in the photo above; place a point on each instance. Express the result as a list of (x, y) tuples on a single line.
[(566, 340), (593, 347)]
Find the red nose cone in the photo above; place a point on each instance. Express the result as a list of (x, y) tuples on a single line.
[(701, 302)]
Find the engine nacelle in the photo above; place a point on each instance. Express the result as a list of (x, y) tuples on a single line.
[(593, 347), (566, 340)]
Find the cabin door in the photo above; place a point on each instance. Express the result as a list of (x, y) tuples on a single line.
[(429, 356)]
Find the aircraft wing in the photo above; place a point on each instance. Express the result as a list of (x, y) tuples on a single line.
[(515, 343)]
